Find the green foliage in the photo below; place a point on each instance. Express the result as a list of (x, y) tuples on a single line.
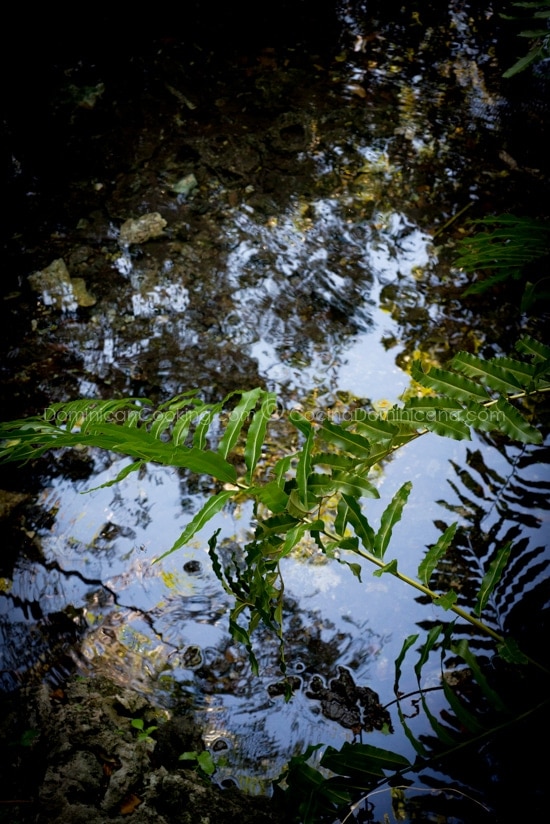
[(539, 36), (317, 494), (144, 733), (500, 251), (203, 761)]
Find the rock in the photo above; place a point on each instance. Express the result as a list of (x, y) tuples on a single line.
[(85, 764), (142, 229), (58, 289), (185, 185)]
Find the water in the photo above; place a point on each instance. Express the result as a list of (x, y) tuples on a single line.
[(318, 272)]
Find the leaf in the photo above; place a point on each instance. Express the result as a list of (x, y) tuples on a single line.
[(509, 651), (281, 468), (354, 485), (435, 553), (407, 644), (533, 347), (129, 804), (440, 415), (303, 470), (450, 384), (337, 435), (446, 600), (256, 433), (373, 427), (390, 567), (271, 495), (182, 426), (206, 418), (300, 422), (362, 528), (341, 520), (426, 648), (513, 424), (363, 760), (334, 459), (202, 461), (277, 525), (237, 418), (161, 422), (484, 418), (206, 763), (488, 372), (296, 507), (292, 539), (522, 372), (521, 64), (207, 511), (390, 516), (492, 577), (132, 467)]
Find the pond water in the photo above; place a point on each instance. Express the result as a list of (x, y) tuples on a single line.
[(307, 252)]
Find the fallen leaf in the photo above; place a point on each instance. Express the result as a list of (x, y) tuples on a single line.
[(130, 803)]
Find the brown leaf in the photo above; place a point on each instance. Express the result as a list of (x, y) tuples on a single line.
[(129, 804)]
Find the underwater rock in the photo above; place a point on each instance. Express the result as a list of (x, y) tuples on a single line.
[(58, 289), (185, 185), (142, 229)]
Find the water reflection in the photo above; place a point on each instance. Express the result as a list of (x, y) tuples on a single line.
[(500, 496), (304, 259)]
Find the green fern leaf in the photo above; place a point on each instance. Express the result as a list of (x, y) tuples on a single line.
[(426, 648), (407, 644), (390, 567), (492, 577), (354, 485), (362, 528), (534, 348), (206, 512), (390, 516), (271, 495), (362, 759), (303, 471), (440, 415), (466, 718), (449, 384), (488, 372), (256, 433), (237, 418), (513, 424), (339, 436), (373, 427), (133, 467), (276, 525), (207, 415), (446, 600), (437, 551)]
